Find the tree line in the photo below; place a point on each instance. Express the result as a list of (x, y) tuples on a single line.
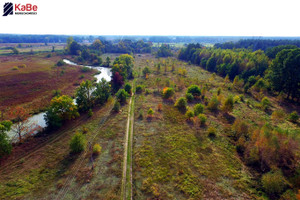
[(279, 75), (256, 44)]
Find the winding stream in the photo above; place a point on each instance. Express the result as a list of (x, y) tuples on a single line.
[(37, 121)]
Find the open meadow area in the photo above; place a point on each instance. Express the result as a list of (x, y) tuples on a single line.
[(29, 80)]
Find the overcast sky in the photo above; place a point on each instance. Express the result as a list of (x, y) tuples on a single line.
[(158, 17)]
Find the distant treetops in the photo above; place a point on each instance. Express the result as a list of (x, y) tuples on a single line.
[(251, 68)]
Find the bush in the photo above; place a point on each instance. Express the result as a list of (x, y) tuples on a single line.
[(78, 143), (273, 183), (198, 108), (240, 128), (56, 93), (15, 68), (228, 104), (293, 117), (202, 118), (127, 88), (141, 114), (116, 107), (278, 115), (265, 103), (211, 132), (22, 66), (97, 149), (60, 63), (194, 90), (219, 91), (236, 99), (85, 69), (150, 112), (189, 114), (189, 97), (181, 103), (122, 96), (168, 93), (159, 107), (139, 89), (213, 104), (90, 113)]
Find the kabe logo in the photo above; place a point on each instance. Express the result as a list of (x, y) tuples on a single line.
[(8, 9), (27, 9)]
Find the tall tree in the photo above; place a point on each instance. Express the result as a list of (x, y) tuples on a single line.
[(84, 98)]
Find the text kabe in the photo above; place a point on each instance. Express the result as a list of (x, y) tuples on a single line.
[(27, 7)]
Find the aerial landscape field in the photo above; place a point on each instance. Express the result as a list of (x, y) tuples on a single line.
[(150, 100), (166, 122)]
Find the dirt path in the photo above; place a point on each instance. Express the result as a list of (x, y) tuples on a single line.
[(127, 161)]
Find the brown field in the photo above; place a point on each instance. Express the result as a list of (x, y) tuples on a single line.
[(31, 86)]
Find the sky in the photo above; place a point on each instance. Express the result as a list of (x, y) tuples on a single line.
[(157, 17)]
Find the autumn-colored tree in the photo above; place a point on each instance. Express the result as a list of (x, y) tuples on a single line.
[(61, 108), (117, 81), (168, 92), (22, 125)]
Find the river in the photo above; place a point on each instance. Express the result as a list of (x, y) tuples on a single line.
[(37, 121)]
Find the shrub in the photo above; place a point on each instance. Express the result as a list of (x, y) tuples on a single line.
[(78, 143), (219, 91), (139, 89), (213, 104), (85, 69), (228, 104), (90, 113), (189, 97), (56, 93), (159, 107), (242, 98), (146, 71), (60, 63), (97, 149), (202, 118), (236, 99), (181, 103), (293, 117), (122, 95), (265, 103), (240, 128), (150, 112), (278, 115), (273, 183), (22, 66), (198, 108), (211, 132), (189, 114), (168, 93), (194, 90), (127, 88), (15, 68), (147, 91), (117, 106), (141, 114)]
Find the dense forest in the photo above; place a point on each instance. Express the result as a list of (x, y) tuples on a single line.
[(256, 44), (251, 69)]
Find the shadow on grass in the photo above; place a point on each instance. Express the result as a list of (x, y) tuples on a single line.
[(66, 163)]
